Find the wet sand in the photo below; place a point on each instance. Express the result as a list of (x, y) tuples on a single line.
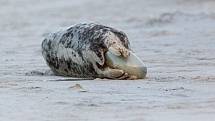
[(174, 38)]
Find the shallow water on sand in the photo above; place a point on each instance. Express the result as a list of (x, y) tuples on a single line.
[(174, 38)]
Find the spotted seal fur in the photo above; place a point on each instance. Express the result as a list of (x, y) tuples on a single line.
[(78, 51)]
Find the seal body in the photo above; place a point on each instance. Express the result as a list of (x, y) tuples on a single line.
[(78, 51)]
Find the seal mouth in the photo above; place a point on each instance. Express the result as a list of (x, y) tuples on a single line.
[(132, 65)]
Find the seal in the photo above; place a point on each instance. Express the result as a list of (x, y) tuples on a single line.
[(79, 51)]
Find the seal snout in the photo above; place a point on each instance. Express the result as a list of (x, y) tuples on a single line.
[(132, 65)]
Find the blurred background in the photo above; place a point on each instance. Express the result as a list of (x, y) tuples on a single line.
[(169, 35), (166, 32), (174, 38)]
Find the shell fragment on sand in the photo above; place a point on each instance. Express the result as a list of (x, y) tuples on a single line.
[(132, 64)]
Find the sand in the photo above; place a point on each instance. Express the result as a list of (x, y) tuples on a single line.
[(174, 38)]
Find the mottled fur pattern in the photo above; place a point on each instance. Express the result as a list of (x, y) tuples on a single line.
[(79, 50)]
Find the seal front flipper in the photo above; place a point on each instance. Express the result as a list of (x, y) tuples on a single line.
[(113, 73)]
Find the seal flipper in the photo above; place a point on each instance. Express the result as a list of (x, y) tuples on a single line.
[(114, 73)]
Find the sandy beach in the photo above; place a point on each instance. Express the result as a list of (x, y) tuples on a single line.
[(174, 38)]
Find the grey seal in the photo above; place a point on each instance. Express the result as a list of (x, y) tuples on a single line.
[(80, 51)]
